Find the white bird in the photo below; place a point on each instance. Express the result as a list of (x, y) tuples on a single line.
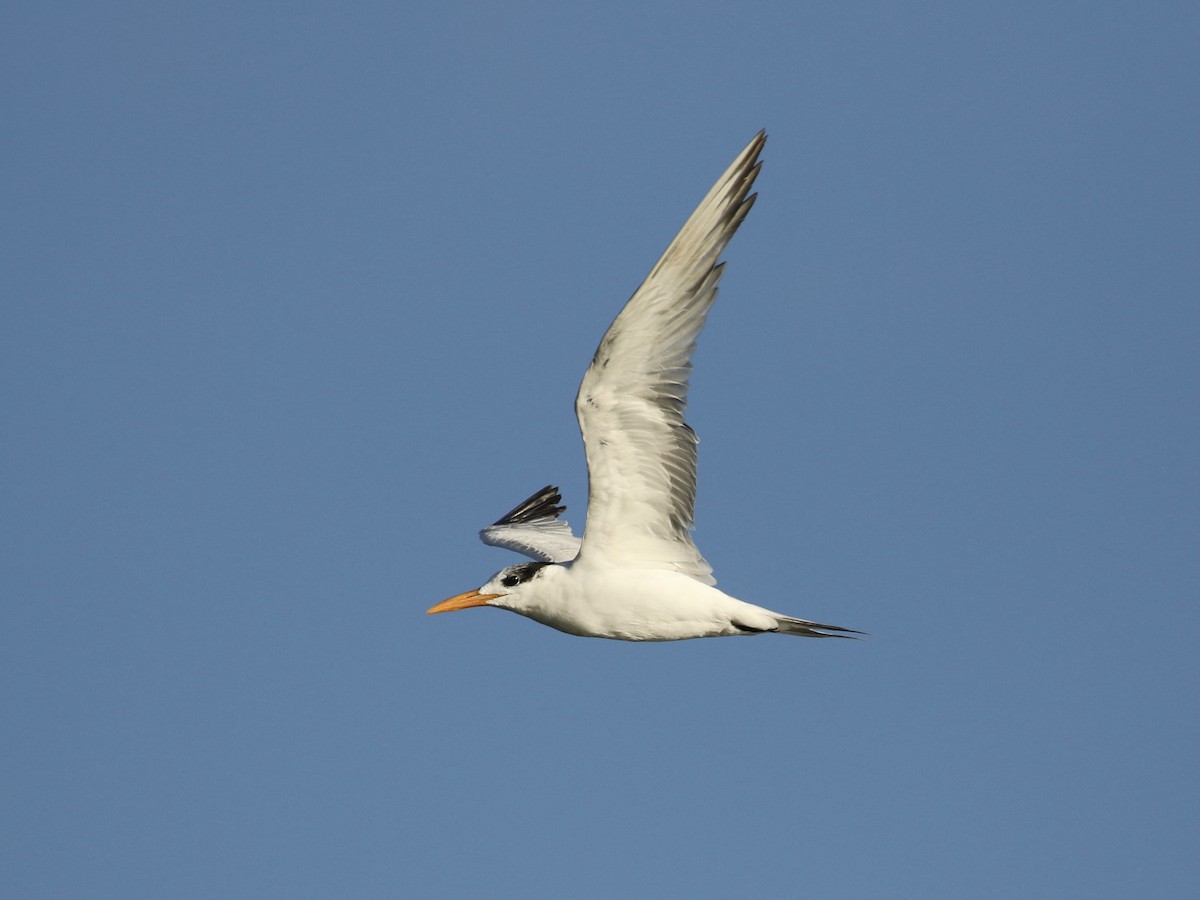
[(636, 575)]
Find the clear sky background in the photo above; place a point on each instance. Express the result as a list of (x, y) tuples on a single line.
[(296, 297)]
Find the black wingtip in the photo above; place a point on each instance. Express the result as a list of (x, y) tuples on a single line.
[(849, 634), (846, 630), (805, 628), (545, 504)]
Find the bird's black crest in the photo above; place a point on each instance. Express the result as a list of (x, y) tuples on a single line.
[(542, 505), (522, 573)]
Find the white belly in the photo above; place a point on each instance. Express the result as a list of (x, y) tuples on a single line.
[(640, 605)]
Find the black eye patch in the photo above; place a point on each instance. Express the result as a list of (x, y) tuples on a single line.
[(521, 574)]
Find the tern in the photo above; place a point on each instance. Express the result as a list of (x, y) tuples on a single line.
[(636, 574)]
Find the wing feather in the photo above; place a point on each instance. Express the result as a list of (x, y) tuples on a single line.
[(533, 528), (641, 454)]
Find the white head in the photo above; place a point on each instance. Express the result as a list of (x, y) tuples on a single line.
[(503, 590)]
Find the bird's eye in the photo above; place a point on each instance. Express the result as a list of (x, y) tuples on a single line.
[(510, 581)]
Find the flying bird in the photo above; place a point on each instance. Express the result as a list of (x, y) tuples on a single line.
[(636, 574)]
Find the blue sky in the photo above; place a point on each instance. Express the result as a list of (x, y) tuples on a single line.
[(297, 297)]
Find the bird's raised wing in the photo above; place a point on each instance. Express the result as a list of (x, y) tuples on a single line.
[(641, 454), (533, 528)]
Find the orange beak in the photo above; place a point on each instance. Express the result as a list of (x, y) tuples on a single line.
[(462, 601)]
